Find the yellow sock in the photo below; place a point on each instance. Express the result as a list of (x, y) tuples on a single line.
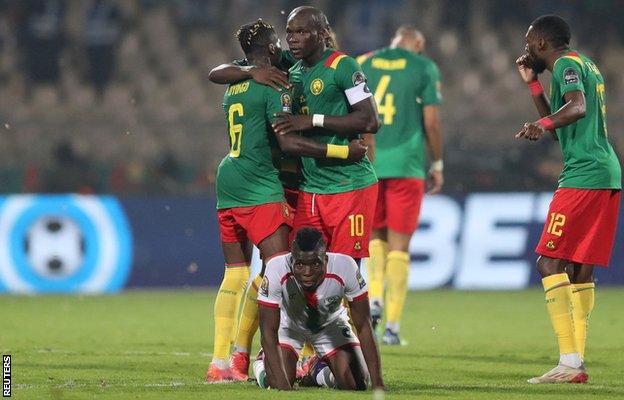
[(582, 306), (376, 265), (248, 322), (397, 271), (226, 308), (559, 303)]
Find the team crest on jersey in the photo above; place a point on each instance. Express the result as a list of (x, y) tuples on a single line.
[(550, 245), (285, 210), (332, 303), (316, 87), (570, 76), (264, 286), (357, 246), (360, 279)]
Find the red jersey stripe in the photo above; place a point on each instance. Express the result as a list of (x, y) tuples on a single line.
[(267, 304), (332, 58), (336, 277)]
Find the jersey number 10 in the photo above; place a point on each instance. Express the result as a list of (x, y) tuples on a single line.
[(236, 130)]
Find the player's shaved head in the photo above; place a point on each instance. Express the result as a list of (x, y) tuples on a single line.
[(410, 38), (553, 29), (314, 17)]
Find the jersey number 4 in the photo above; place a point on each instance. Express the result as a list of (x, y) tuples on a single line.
[(385, 100), (236, 130)]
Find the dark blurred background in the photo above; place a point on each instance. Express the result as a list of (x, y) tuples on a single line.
[(113, 96)]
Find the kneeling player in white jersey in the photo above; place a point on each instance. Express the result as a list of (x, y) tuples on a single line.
[(300, 300)]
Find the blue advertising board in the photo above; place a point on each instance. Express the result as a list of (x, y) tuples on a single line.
[(99, 244)]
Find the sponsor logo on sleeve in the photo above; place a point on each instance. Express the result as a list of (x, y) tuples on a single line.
[(286, 102), (360, 279), (357, 78), (570, 76), (264, 286)]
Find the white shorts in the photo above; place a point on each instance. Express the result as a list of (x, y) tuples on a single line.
[(333, 337)]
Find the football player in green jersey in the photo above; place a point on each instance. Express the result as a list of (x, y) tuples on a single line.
[(337, 197), (580, 227), (250, 198), (406, 86)]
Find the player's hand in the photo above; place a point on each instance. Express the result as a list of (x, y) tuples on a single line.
[(270, 76), (435, 181), (524, 68), (288, 123), (357, 150), (531, 131)]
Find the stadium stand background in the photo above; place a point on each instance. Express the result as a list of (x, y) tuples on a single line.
[(124, 105)]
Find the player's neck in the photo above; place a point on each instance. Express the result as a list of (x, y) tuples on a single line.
[(315, 57), (259, 60), (554, 56)]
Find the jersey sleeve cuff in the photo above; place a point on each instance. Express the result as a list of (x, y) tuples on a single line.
[(359, 297), (268, 304)]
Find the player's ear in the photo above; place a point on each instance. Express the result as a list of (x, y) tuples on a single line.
[(272, 49)]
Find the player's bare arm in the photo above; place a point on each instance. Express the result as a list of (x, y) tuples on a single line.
[(570, 112), (360, 312), (269, 324), (530, 77), (433, 133), (368, 140), (231, 73), (362, 118), (293, 144)]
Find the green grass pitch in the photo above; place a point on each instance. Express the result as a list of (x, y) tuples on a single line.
[(157, 344)]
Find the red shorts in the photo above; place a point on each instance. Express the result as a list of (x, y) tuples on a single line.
[(237, 224), (344, 219), (580, 226), (291, 196), (398, 204)]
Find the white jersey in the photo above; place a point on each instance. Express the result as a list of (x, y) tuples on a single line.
[(311, 311)]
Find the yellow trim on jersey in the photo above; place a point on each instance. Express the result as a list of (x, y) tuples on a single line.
[(335, 63), (573, 58), (362, 59)]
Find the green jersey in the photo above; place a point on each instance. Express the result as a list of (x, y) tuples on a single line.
[(403, 83), (589, 161), (247, 176), (288, 165), (320, 89)]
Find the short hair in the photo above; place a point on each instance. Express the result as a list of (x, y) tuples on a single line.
[(554, 29), (408, 30), (308, 239), (317, 17), (255, 35)]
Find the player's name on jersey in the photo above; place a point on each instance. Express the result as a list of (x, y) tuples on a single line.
[(389, 65), (238, 88)]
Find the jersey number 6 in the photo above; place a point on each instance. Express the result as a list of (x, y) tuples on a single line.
[(236, 130)]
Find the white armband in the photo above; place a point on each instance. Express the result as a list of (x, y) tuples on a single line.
[(357, 93), (437, 165), (318, 120)]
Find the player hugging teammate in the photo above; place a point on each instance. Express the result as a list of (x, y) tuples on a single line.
[(250, 197)]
